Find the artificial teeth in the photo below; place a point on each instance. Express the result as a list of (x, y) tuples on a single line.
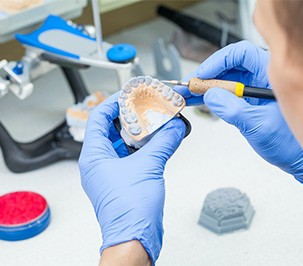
[(148, 80), (155, 83), (127, 88), (123, 95), (130, 118), (160, 87), (134, 82), (145, 105), (141, 79), (123, 103), (177, 100), (177, 97), (167, 92), (124, 110), (135, 129)]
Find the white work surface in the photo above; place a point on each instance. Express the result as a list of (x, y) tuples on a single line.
[(213, 156)]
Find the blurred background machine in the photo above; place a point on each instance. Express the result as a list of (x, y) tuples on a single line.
[(21, 19)]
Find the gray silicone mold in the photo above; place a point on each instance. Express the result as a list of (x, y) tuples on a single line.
[(226, 210)]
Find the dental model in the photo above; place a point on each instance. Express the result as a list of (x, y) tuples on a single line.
[(77, 115), (226, 210), (13, 6), (145, 105)]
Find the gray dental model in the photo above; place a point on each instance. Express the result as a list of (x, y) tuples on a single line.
[(226, 210)]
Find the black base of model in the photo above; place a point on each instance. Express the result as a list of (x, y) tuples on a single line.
[(57, 144)]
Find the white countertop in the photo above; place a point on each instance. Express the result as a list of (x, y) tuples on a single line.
[(214, 155)]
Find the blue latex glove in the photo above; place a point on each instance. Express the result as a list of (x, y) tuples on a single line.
[(127, 192), (260, 121), (187, 95)]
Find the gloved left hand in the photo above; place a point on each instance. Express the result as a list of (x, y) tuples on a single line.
[(127, 193)]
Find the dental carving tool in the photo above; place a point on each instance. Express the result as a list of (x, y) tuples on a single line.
[(200, 86)]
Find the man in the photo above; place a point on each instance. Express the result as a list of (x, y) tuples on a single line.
[(127, 192)]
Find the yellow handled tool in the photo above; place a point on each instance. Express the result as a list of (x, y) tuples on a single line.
[(200, 86)]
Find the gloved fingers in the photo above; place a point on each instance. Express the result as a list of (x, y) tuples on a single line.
[(117, 141), (195, 100), (242, 56), (256, 101), (233, 75), (242, 62), (183, 90), (230, 108), (103, 115), (96, 142), (242, 76), (247, 78), (164, 143)]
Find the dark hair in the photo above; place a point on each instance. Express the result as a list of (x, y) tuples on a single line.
[(289, 15)]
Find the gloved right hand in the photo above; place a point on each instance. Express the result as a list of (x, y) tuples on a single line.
[(260, 121)]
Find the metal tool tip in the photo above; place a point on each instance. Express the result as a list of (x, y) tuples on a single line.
[(175, 82)]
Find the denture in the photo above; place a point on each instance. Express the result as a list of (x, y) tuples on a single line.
[(146, 104)]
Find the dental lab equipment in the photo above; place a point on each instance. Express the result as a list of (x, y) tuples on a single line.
[(200, 86), (145, 105)]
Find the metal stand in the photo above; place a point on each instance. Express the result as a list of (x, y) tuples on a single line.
[(167, 60), (54, 146)]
